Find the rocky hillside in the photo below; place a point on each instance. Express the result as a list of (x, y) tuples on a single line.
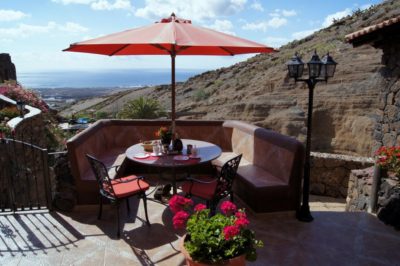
[(259, 91)]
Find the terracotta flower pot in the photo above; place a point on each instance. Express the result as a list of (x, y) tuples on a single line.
[(236, 261)]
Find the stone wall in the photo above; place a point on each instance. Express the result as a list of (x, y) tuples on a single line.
[(387, 130), (330, 173), (7, 68), (388, 195), (389, 201), (359, 192), (32, 130)]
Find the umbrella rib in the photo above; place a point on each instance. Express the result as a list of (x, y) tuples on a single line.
[(161, 47), (182, 48), (119, 49), (226, 50)]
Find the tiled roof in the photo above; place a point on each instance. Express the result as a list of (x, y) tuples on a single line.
[(367, 30)]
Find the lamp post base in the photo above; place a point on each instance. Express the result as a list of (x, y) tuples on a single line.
[(304, 214)]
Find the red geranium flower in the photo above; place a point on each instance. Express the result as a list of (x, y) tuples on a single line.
[(228, 208), (230, 231), (180, 219), (199, 207), (178, 203)]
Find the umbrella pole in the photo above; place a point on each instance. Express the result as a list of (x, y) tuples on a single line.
[(173, 94)]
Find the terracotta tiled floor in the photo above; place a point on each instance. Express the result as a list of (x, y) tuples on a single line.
[(335, 237)]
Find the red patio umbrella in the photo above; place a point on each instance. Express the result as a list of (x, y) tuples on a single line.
[(171, 36)]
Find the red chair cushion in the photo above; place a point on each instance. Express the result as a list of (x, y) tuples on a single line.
[(130, 188), (205, 191)]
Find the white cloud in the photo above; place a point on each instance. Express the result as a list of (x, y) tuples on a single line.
[(10, 15), (275, 42), (301, 34), (338, 15), (26, 30), (72, 27), (275, 22), (257, 6), (283, 13), (194, 10), (67, 2), (289, 13), (106, 5), (100, 4), (225, 26)]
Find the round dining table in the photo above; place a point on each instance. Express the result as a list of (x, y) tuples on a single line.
[(206, 152)]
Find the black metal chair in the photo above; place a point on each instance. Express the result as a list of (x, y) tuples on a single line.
[(213, 189), (118, 189)]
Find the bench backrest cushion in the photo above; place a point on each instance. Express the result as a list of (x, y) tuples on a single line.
[(105, 137), (278, 154)]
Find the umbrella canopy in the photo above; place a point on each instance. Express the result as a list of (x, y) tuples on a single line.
[(171, 36)]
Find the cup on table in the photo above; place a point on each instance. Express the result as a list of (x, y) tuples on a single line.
[(195, 152), (156, 148)]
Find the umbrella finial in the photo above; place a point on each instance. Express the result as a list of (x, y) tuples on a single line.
[(173, 15)]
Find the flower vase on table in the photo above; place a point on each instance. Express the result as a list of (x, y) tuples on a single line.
[(165, 134)]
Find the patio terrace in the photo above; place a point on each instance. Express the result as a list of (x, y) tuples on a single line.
[(335, 237)]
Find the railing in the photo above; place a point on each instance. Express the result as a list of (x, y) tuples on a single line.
[(24, 177)]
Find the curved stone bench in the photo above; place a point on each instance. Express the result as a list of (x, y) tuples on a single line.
[(269, 176)]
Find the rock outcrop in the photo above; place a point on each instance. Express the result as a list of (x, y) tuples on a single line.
[(7, 68)]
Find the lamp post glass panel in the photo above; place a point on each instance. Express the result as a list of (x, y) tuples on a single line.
[(21, 107), (318, 70)]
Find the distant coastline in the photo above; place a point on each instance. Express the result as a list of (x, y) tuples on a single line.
[(62, 88), (115, 78)]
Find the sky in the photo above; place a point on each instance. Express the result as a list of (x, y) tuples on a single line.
[(34, 32)]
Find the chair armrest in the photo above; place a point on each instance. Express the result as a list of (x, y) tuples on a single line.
[(118, 180), (191, 179), (114, 166)]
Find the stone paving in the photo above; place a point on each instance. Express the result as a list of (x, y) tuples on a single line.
[(335, 237)]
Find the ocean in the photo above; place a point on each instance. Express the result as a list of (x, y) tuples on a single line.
[(103, 78)]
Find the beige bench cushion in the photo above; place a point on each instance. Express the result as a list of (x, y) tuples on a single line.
[(251, 173), (224, 157)]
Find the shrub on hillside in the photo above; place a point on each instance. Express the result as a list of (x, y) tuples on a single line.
[(142, 108), (9, 112)]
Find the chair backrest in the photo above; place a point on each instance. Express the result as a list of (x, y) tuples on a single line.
[(226, 177), (102, 177)]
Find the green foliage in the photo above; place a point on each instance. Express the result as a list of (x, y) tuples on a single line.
[(200, 95), (9, 112), (5, 130), (142, 108), (206, 242), (101, 115)]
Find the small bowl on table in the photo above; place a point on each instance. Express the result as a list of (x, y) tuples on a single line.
[(147, 145)]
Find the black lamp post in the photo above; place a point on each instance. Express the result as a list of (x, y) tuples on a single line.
[(318, 70), (21, 107)]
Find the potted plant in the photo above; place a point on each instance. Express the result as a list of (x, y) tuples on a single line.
[(213, 240), (388, 158), (165, 134)]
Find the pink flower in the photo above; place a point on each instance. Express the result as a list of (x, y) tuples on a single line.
[(178, 203), (199, 207), (242, 222), (241, 214), (180, 219), (230, 231), (228, 208)]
